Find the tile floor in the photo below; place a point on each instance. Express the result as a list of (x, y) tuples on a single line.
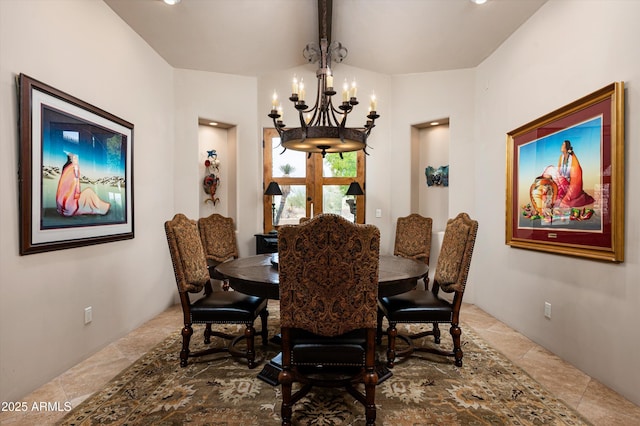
[(593, 400)]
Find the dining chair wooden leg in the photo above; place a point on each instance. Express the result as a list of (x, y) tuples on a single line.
[(249, 333), (392, 332), (187, 331), (457, 349), (436, 333), (370, 382), (286, 379)]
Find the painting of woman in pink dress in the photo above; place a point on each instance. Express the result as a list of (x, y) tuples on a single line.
[(561, 187), (569, 179), (70, 199)]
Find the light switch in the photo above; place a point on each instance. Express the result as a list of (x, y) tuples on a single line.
[(378, 212)]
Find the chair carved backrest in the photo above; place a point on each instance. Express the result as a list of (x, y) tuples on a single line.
[(187, 254), (328, 275), (455, 254), (413, 237), (218, 234)]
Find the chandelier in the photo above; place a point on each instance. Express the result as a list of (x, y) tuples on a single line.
[(323, 125)]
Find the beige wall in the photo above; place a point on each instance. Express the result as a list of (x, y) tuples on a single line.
[(88, 52), (419, 98), (566, 50), (222, 97)]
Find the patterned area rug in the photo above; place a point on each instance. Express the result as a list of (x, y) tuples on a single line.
[(220, 390)]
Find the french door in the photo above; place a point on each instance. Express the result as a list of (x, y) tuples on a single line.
[(309, 185)]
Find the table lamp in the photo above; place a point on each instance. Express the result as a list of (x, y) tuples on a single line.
[(354, 189), (272, 190)]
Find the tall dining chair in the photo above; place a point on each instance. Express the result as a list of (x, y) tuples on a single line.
[(451, 274), (218, 235), (209, 307), (413, 239), (328, 304)]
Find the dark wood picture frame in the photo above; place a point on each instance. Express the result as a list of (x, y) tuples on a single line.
[(565, 179), (75, 171)]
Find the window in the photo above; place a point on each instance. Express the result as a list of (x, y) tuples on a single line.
[(309, 186)]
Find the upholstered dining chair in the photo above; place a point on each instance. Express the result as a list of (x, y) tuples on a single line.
[(218, 235), (413, 239), (328, 303), (219, 307), (428, 306)]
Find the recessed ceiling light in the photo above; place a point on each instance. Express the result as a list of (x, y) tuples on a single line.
[(171, 2), (213, 123), (472, 1), (434, 123)]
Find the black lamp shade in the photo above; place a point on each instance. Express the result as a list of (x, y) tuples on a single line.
[(354, 189), (273, 189)]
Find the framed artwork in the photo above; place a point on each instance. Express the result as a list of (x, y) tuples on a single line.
[(439, 176), (565, 179), (75, 171)]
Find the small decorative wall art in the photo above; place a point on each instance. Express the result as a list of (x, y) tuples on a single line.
[(439, 176), (212, 176)]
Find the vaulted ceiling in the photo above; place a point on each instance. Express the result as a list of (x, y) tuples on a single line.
[(254, 37)]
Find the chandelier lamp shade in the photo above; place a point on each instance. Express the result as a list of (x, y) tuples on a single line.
[(323, 124)]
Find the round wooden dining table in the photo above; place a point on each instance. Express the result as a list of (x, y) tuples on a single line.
[(258, 275)]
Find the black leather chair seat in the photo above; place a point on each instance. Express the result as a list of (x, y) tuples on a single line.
[(227, 307), (312, 349), (412, 306)]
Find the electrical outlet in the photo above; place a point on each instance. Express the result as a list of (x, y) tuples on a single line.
[(547, 310), (88, 315)]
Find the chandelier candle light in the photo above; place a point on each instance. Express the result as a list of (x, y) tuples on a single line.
[(323, 126)]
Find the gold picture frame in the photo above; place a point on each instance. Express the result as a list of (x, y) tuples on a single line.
[(565, 179)]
